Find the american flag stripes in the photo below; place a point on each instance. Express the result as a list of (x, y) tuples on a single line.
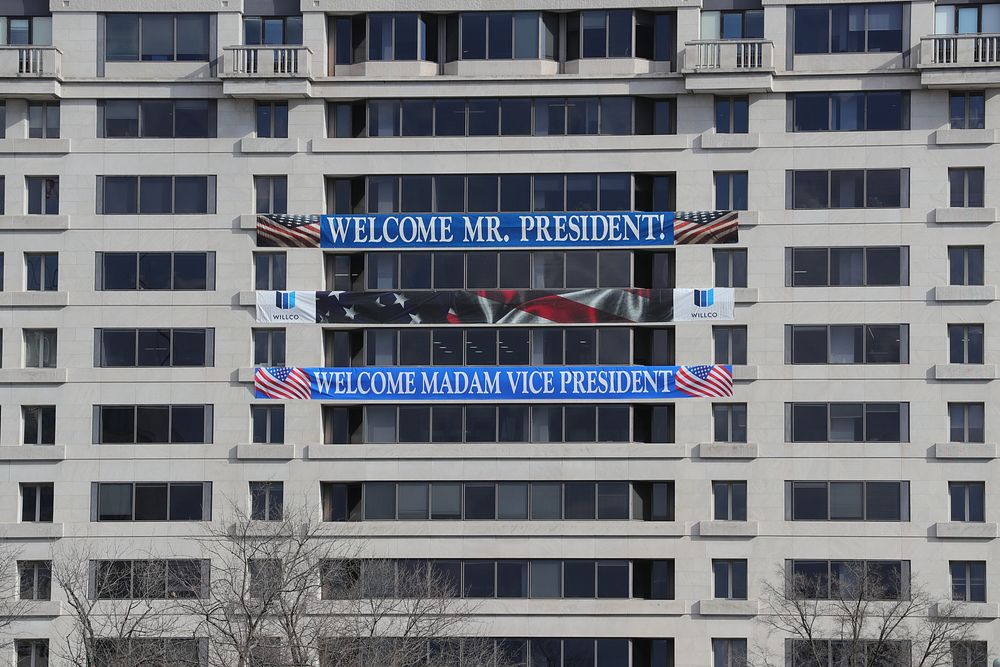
[(703, 227), (705, 381), (288, 231), (283, 383)]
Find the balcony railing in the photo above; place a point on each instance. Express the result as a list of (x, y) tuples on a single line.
[(30, 61), (267, 61), (728, 55), (972, 50)]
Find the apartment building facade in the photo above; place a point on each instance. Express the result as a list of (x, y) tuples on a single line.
[(141, 142)]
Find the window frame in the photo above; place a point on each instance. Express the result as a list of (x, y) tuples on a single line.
[(173, 57)]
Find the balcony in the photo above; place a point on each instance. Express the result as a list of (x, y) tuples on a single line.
[(728, 65), (266, 71), (959, 61), (35, 70)]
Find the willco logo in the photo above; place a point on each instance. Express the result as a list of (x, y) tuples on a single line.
[(703, 298), (285, 300)]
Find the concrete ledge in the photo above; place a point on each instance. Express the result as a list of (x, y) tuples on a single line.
[(965, 450), (962, 530), (270, 145), (965, 293), (957, 609), (248, 222), (731, 141), (745, 295), (727, 608), (40, 608), (34, 223), (727, 529), (506, 451), (265, 452), (727, 450), (37, 146), (247, 298), (951, 137), (965, 371), (245, 375), (600, 532), (748, 218), (33, 375), (31, 531), (33, 299), (33, 453), (965, 215), (744, 373)]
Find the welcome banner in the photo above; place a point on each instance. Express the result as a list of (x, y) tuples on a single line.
[(516, 383), (412, 231), (517, 307)]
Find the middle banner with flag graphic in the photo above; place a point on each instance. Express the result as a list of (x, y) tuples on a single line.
[(513, 383), (517, 307)]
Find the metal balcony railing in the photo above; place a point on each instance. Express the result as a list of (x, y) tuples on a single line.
[(30, 61), (728, 55), (267, 61), (971, 50)]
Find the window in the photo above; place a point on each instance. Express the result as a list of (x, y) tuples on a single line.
[(136, 348), (837, 267), (967, 110), (966, 186), (847, 344), (732, 115), (32, 652), (738, 24), (965, 343), (729, 653), (149, 579), (875, 28), (155, 195), (25, 30), (269, 270), (730, 267), (968, 580), (266, 501), (849, 579), (847, 422), (271, 194), (157, 118), (151, 501), (731, 190), (155, 270), (488, 501), (39, 348), (730, 344), (969, 653), (39, 424), (268, 347), (848, 501), (599, 34), (952, 19), (967, 422), (268, 424), (730, 579), (41, 271), (43, 120), (850, 112), (3, 183), (162, 424), (968, 501), (272, 30), (730, 420), (35, 579), (265, 577), (156, 37), (502, 36), (966, 265), (849, 188), (36, 503), (729, 501), (401, 37), (272, 120), (43, 195)]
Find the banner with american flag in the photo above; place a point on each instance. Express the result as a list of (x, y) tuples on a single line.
[(499, 383), (510, 307), (411, 231)]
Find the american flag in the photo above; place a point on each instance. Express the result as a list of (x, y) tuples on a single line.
[(285, 383), (704, 381), (288, 231), (701, 227)]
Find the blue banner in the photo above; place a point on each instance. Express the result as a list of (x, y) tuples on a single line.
[(515, 383)]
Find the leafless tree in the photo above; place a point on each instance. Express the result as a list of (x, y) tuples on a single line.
[(863, 614), (120, 615), (284, 593), (11, 604)]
